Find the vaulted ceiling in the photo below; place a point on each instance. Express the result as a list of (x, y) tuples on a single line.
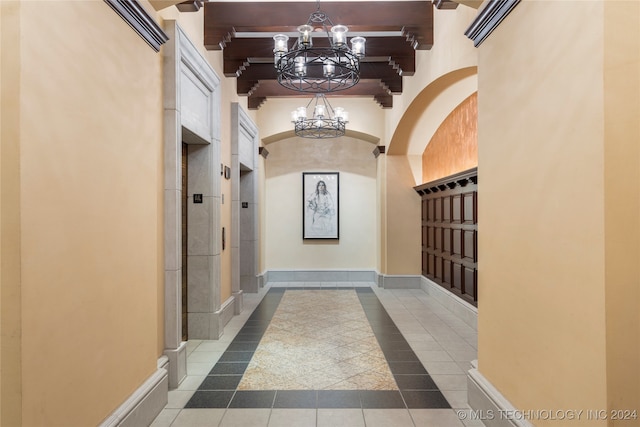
[(394, 31)]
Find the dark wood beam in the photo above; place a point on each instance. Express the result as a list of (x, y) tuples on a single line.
[(255, 73), (445, 4), (262, 47), (254, 102), (367, 87), (238, 57), (414, 19), (189, 6), (389, 57)]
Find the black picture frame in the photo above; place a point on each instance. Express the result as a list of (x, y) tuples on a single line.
[(321, 205)]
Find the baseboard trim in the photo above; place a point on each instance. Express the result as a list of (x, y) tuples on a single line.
[(465, 311), (144, 405), (398, 281), (176, 364), (222, 317), (486, 400), (238, 302), (318, 276)]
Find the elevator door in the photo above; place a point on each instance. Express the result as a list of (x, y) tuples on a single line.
[(185, 335)]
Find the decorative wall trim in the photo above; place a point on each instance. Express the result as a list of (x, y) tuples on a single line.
[(485, 399), (397, 281), (460, 179), (387, 281), (138, 18), (489, 19), (319, 276), (191, 99), (245, 209), (450, 233), (144, 405)]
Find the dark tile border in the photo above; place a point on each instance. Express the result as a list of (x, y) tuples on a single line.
[(417, 388)]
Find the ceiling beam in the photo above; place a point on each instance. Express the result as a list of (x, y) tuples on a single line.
[(413, 19), (365, 87), (393, 50), (254, 74), (399, 28)]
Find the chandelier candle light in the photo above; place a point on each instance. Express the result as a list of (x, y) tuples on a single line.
[(330, 67), (326, 122)]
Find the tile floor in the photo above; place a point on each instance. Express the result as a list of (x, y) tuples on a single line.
[(427, 348), (317, 340)]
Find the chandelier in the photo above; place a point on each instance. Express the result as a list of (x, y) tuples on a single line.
[(326, 122), (328, 67)]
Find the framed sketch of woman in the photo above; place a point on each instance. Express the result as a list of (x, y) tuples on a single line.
[(320, 213)]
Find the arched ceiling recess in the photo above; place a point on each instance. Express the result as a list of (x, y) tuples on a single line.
[(349, 133), (401, 138)]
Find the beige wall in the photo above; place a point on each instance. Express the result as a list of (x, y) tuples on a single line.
[(552, 247), (409, 121), (81, 208), (365, 116), (402, 225), (446, 76), (451, 51), (353, 159), (90, 205), (622, 199), (10, 292), (454, 146)]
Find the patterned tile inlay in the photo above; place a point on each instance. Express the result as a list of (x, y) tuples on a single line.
[(318, 340)]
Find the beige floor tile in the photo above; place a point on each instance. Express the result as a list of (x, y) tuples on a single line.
[(204, 356), (450, 382), (463, 355), (442, 342), (199, 368), (442, 368), (191, 382), (340, 418), (292, 418), (245, 418), (215, 346), (165, 418), (387, 418), (433, 356), (198, 418), (473, 423), (178, 398), (436, 417), (456, 398), (426, 346)]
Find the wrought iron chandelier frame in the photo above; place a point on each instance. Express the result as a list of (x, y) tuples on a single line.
[(325, 123), (320, 128), (312, 69)]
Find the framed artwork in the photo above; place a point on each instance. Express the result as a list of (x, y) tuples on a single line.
[(320, 205)]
